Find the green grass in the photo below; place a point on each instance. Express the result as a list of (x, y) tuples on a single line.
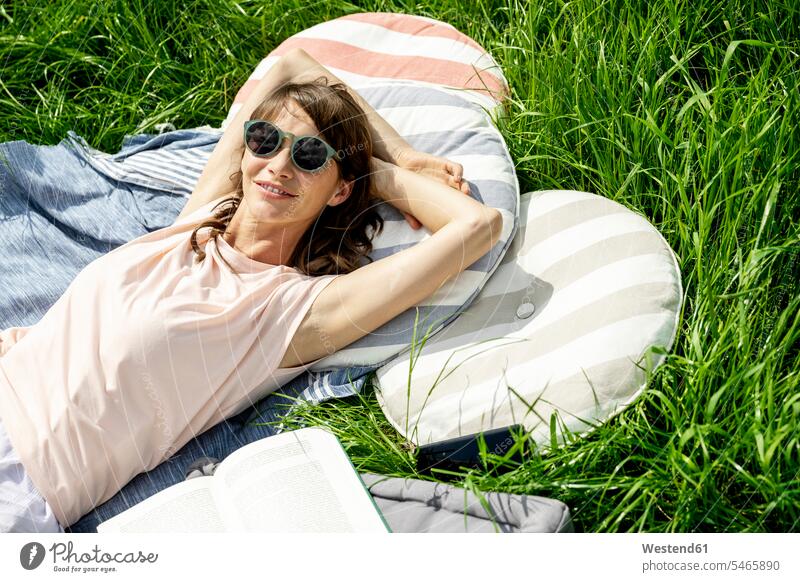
[(686, 112)]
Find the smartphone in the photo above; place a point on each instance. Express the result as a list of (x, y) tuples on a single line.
[(453, 454)]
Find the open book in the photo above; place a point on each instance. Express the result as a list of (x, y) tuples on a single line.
[(298, 481)]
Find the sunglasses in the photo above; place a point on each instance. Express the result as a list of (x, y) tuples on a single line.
[(309, 153)]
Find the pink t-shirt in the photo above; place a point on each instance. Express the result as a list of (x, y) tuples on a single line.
[(145, 350)]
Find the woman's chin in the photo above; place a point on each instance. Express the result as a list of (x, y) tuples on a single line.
[(268, 210)]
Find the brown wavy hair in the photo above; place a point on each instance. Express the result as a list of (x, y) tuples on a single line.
[(338, 240)]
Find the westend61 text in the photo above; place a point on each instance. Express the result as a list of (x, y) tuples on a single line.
[(670, 549), (64, 551)]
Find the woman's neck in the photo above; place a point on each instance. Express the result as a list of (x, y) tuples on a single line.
[(263, 242)]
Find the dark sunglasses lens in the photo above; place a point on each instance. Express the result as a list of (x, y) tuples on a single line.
[(310, 154), (262, 138)]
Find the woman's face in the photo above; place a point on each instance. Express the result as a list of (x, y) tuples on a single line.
[(311, 191)]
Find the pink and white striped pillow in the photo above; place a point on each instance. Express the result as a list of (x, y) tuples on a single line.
[(365, 48)]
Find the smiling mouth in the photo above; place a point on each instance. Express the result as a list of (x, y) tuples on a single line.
[(273, 189)]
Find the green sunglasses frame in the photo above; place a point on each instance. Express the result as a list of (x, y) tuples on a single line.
[(282, 135)]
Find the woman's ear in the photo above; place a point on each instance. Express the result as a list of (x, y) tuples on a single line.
[(343, 192)]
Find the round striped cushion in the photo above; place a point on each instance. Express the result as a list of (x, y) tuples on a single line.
[(435, 86), (561, 335)]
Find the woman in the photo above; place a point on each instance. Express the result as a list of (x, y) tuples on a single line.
[(260, 277)]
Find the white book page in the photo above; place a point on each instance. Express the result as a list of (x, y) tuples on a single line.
[(299, 481), (186, 507)]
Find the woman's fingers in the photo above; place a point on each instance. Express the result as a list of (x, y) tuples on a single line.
[(455, 169), (461, 185), (456, 178), (450, 180)]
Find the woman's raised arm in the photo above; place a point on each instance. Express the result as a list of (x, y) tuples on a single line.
[(226, 159), (355, 304)]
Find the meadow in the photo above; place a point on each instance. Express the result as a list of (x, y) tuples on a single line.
[(686, 112)]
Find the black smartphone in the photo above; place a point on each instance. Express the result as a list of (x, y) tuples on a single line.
[(464, 452)]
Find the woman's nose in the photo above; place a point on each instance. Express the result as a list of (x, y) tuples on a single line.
[(280, 164)]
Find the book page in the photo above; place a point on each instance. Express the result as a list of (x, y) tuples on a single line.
[(299, 481), (186, 507)]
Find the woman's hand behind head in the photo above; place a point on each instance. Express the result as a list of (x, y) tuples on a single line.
[(434, 167)]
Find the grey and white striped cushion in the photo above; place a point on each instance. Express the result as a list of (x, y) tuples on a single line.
[(561, 333)]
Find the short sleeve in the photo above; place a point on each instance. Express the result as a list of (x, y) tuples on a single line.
[(298, 302), (286, 315)]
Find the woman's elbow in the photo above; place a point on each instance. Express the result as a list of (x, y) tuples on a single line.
[(298, 59), (489, 222)]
